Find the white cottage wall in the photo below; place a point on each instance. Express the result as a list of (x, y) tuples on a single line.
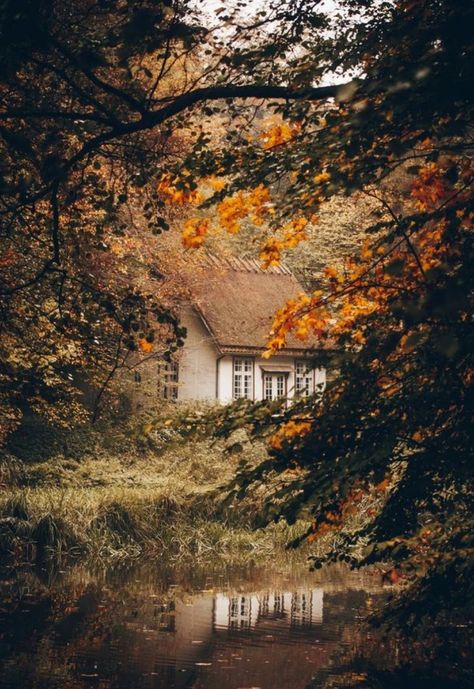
[(224, 380), (277, 363), (197, 364)]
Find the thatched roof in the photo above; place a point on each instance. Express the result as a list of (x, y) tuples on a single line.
[(237, 301)]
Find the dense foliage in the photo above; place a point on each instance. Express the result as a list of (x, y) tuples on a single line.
[(79, 207), (396, 421)]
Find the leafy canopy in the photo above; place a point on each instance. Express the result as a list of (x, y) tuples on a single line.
[(397, 419)]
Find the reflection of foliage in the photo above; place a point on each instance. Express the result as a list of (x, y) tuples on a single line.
[(111, 628), (369, 660)]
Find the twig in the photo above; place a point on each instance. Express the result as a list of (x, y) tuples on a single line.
[(110, 375)]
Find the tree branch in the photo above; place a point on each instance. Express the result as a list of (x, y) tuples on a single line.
[(154, 118), (15, 114), (97, 81), (399, 224), (55, 258), (109, 377)]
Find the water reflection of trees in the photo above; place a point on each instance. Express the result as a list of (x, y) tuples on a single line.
[(82, 630)]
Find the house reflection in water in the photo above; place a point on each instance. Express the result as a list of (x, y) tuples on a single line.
[(298, 609), (129, 634), (208, 641)]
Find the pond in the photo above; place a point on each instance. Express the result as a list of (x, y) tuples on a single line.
[(155, 628)]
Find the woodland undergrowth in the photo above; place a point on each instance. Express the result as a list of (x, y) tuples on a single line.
[(120, 492)]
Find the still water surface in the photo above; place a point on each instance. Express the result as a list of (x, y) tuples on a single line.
[(152, 629)]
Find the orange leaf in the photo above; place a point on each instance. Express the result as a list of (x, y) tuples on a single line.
[(145, 346)]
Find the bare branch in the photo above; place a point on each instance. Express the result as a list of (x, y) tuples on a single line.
[(109, 377), (97, 81), (19, 114)]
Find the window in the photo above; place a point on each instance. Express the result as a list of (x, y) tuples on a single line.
[(273, 386), (304, 379), (165, 614), (243, 378), (267, 387), (240, 613), (169, 380), (300, 609), (280, 386)]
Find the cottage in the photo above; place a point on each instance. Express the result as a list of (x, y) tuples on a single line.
[(228, 321)]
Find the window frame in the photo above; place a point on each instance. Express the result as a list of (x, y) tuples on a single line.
[(169, 380), (242, 360), (274, 376), (309, 375)]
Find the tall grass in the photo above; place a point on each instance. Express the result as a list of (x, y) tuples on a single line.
[(133, 497), (110, 524), (117, 495)]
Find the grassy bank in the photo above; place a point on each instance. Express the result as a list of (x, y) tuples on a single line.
[(115, 492)]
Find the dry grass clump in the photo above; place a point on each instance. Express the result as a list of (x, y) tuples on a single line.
[(112, 524), (128, 495)]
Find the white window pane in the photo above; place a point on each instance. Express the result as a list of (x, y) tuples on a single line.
[(168, 379), (267, 389), (304, 384), (237, 387), (280, 391), (243, 378)]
